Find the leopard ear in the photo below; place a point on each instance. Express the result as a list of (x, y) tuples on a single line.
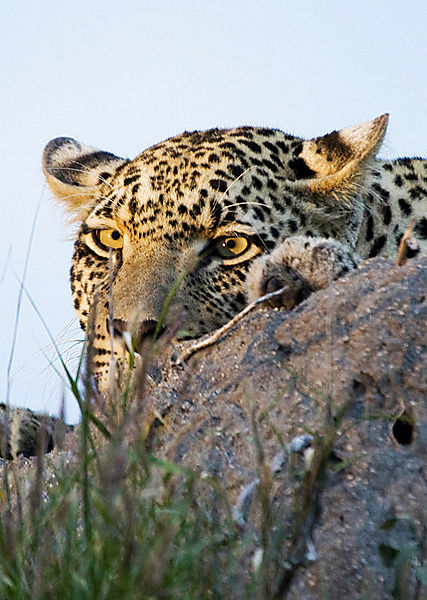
[(333, 162), (74, 173)]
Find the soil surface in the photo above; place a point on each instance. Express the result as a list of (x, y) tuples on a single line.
[(361, 344), (359, 347)]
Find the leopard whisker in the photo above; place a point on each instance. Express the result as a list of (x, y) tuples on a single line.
[(79, 195), (83, 169), (251, 203), (236, 180)]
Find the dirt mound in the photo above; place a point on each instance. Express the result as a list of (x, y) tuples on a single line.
[(349, 367), (361, 345)]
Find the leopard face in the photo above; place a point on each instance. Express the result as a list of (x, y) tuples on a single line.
[(166, 240)]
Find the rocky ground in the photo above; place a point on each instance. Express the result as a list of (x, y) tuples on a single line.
[(359, 348), (361, 343)]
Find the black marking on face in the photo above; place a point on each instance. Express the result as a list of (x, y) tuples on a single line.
[(420, 229), (257, 183), (103, 176), (293, 225), (270, 165), (386, 214), (275, 232), (405, 207), (252, 146), (259, 213), (133, 206), (265, 132), (242, 132), (272, 147), (272, 185), (276, 160), (370, 228), (236, 170), (218, 185), (283, 147), (417, 193), (383, 194), (378, 245), (196, 209), (222, 174), (216, 213), (411, 177), (130, 180)]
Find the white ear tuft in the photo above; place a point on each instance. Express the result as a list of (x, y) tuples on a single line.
[(75, 173), (332, 161)]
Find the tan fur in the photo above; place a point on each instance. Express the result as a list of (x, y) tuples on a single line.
[(302, 210)]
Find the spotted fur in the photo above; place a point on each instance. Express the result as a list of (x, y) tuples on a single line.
[(175, 206)]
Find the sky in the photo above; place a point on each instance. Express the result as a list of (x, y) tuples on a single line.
[(124, 75)]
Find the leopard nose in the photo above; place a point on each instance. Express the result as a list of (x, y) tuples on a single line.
[(145, 331)]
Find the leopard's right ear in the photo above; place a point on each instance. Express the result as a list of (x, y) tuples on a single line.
[(75, 173)]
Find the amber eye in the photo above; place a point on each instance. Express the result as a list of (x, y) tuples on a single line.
[(108, 238), (230, 247)]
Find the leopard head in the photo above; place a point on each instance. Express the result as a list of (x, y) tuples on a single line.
[(165, 241)]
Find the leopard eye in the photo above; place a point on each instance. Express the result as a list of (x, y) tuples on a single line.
[(108, 238), (231, 247)]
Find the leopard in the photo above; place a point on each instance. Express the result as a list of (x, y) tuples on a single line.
[(178, 240)]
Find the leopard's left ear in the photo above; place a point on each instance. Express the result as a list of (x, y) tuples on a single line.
[(75, 173), (331, 162)]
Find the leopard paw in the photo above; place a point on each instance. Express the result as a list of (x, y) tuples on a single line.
[(300, 265)]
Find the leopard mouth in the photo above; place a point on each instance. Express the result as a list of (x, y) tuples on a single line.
[(146, 333)]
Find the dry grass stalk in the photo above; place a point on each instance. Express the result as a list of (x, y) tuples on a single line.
[(408, 246), (212, 338)]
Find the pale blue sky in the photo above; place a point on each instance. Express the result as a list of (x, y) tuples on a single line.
[(124, 75)]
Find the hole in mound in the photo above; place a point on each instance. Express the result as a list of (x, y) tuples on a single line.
[(404, 429)]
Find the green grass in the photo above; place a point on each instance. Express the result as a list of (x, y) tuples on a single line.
[(116, 521), (115, 524)]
